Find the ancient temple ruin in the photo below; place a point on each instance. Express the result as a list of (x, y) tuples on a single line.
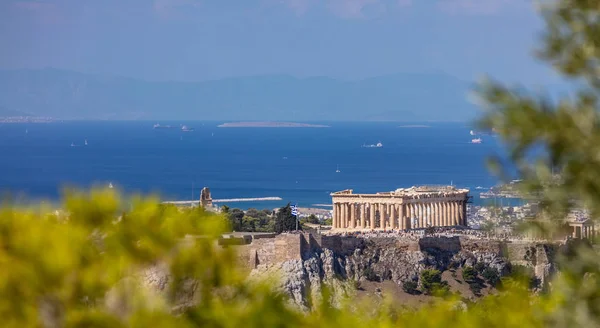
[(410, 208)]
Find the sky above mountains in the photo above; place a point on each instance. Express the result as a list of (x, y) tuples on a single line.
[(196, 40)]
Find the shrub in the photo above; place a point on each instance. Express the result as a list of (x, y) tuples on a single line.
[(441, 289), (430, 280), (469, 274), (410, 287), (492, 276), (370, 274), (475, 287), (479, 267)]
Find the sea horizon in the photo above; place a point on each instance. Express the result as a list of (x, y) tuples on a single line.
[(297, 164)]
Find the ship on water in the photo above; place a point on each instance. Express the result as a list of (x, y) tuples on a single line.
[(377, 145), (185, 128), (158, 126), (476, 141)]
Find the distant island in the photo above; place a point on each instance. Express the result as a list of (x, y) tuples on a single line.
[(270, 125), (415, 126), (26, 119)]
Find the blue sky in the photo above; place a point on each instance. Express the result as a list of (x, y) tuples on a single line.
[(193, 40)]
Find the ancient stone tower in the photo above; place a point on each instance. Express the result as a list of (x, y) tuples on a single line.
[(205, 198)]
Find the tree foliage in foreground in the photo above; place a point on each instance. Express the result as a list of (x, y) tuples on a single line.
[(555, 144), (85, 267), (82, 269)]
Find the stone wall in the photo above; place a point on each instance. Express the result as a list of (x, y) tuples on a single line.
[(276, 249), (286, 247)]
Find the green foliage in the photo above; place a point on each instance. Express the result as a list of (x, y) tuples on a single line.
[(432, 284), (410, 287), (370, 274), (252, 220), (479, 267), (284, 220), (469, 274), (491, 276), (555, 142), (312, 219), (83, 268), (225, 209)]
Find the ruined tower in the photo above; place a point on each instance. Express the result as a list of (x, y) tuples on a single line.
[(205, 198)]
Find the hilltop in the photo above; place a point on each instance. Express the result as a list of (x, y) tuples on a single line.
[(66, 94)]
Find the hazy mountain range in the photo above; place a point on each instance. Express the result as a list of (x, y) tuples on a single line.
[(70, 95)]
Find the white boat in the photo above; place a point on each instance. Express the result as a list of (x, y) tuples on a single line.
[(377, 145), (85, 143), (110, 185), (476, 141), (472, 132), (337, 170), (158, 126), (185, 128), (72, 144)]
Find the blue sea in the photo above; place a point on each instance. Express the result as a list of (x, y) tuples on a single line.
[(297, 164)]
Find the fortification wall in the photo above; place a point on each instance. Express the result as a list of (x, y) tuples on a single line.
[(285, 247), (268, 251)]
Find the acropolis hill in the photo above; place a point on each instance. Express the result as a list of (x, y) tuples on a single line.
[(306, 262), (415, 229)]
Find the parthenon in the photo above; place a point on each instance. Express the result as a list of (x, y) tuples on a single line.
[(409, 208)]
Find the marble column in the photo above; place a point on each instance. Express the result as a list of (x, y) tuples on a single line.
[(381, 208), (424, 220), (457, 212), (438, 214), (343, 215), (464, 209), (361, 211), (336, 215), (352, 216), (345, 219), (372, 215), (461, 216), (416, 215), (411, 219), (401, 216), (421, 215), (333, 215), (413, 215), (444, 214), (429, 214), (393, 221), (453, 212)]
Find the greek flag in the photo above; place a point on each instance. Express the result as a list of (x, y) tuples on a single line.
[(294, 210)]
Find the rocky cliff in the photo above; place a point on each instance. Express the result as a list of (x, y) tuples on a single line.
[(396, 260)]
